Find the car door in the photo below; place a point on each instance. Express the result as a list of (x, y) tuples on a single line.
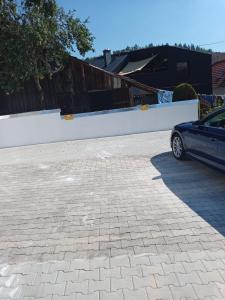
[(206, 138), (220, 141), (217, 125), (201, 141), (221, 152), (214, 128)]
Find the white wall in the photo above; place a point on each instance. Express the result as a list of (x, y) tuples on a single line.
[(48, 126)]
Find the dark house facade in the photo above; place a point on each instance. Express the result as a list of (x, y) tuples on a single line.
[(163, 67)]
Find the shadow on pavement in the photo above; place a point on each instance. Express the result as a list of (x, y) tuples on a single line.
[(197, 185)]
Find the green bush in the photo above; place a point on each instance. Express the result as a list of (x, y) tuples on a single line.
[(184, 91)]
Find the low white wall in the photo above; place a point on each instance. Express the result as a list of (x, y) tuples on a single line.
[(49, 126)]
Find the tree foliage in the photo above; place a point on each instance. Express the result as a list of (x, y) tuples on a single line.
[(37, 37), (180, 45), (184, 91)]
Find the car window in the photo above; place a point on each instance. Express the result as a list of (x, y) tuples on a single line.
[(216, 121)]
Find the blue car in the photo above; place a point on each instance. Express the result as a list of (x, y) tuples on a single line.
[(203, 140)]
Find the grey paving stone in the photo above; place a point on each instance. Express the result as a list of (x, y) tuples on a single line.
[(199, 255), (159, 258), (80, 264), (123, 251), (124, 283), (194, 266), (139, 260), (59, 266), (56, 297), (212, 276), (161, 249), (206, 290), (89, 275), (185, 278), (221, 288), (166, 280), (178, 257), (99, 262), (142, 282), (99, 285), (9, 292), (159, 293), (118, 295), (46, 289), (152, 249), (120, 261), (174, 267), (133, 271), (39, 267), (93, 296), (155, 269), (111, 272), (211, 265), (45, 278), (77, 287), (186, 291), (219, 254), (135, 295), (68, 276), (20, 279)]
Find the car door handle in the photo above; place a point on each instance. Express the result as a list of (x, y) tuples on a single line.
[(213, 139)]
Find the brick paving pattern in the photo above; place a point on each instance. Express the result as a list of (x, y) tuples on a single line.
[(112, 218)]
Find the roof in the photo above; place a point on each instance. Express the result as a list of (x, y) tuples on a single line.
[(217, 57), (134, 66), (129, 81), (119, 60), (218, 74), (167, 46), (115, 64)]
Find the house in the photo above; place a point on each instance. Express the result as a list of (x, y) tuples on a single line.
[(218, 77), (163, 67), (79, 87), (218, 73)]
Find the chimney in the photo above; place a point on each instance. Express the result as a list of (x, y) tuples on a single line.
[(107, 57)]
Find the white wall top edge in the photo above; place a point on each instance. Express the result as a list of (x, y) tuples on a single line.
[(111, 111), (94, 113), (31, 113)]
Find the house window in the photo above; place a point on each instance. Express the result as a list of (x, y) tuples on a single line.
[(182, 66)]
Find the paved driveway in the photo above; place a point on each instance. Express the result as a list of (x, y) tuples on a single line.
[(113, 218)]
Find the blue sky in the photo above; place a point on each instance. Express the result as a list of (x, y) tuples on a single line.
[(119, 23)]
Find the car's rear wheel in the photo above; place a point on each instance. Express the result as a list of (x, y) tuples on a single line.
[(178, 147)]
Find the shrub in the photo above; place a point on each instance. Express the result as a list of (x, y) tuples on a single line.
[(184, 91)]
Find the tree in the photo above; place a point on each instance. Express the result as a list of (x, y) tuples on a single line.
[(37, 37), (184, 91)]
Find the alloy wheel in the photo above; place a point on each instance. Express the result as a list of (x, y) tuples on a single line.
[(177, 147)]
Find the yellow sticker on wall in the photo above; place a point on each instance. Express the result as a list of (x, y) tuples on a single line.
[(68, 117), (144, 107)]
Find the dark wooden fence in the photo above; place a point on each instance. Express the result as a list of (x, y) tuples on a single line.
[(27, 99)]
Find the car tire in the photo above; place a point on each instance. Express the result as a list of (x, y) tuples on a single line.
[(178, 147)]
